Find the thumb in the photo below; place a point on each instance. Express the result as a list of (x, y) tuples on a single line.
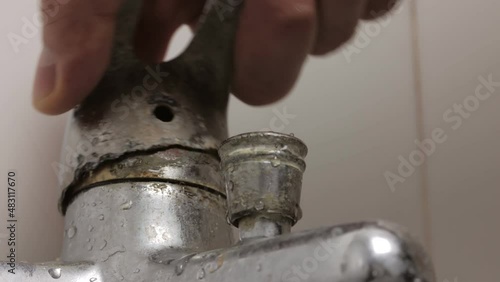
[(78, 38)]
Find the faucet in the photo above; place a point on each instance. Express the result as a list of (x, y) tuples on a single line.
[(154, 190)]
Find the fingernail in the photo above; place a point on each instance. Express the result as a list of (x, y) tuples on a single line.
[(45, 78)]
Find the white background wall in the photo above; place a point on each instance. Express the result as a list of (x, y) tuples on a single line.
[(357, 114)]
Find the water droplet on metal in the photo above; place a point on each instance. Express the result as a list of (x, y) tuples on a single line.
[(103, 245), (137, 270), (101, 217), (122, 223), (179, 268), (88, 239), (93, 279), (126, 206), (71, 232), (55, 273), (291, 134), (275, 162), (259, 267), (260, 205), (94, 204), (201, 274), (89, 247), (91, 228)]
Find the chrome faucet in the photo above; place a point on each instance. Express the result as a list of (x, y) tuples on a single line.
[(155, 185)]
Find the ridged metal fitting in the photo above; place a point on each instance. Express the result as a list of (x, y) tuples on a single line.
[(263, 175)]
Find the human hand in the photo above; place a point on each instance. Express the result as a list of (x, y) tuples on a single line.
[(273, 41)]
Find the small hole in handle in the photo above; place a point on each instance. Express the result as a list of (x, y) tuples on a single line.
[(163, 113)]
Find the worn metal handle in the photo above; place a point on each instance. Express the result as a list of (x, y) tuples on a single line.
[(120, 116), (209, 57)]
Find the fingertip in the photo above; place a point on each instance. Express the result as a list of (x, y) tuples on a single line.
[(271, 49), (61, 86), (258, 94), (78, 40), (51, 104)]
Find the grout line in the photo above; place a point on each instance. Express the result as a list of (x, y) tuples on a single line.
[(420, 124)]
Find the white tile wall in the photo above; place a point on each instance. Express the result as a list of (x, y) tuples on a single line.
[(460, 41)]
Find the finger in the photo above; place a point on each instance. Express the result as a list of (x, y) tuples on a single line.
[(378, 8), (273, 40), (337, 23), (77, 40), (160, 19)]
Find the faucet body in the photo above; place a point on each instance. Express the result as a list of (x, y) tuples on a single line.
[(156, 231), (154, 186)]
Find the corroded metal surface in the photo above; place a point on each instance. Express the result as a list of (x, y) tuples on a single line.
[(263, 175), (139, 108), (174, 165)]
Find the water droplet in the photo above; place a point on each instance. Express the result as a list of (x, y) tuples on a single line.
[(291, 134), (230, 186), (103, 245), (71, 232), (137, 270), (259, 267), (55, 273), (88, 239), (126, 206), (101, 217), (201, 274), (122, 223), (93, 279), (179, 268), (275, 162), (82, 205), (94, 204), (91, 228), (260, 205), (89, 247)]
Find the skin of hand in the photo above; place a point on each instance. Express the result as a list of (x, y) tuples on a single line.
[(273, 41)]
